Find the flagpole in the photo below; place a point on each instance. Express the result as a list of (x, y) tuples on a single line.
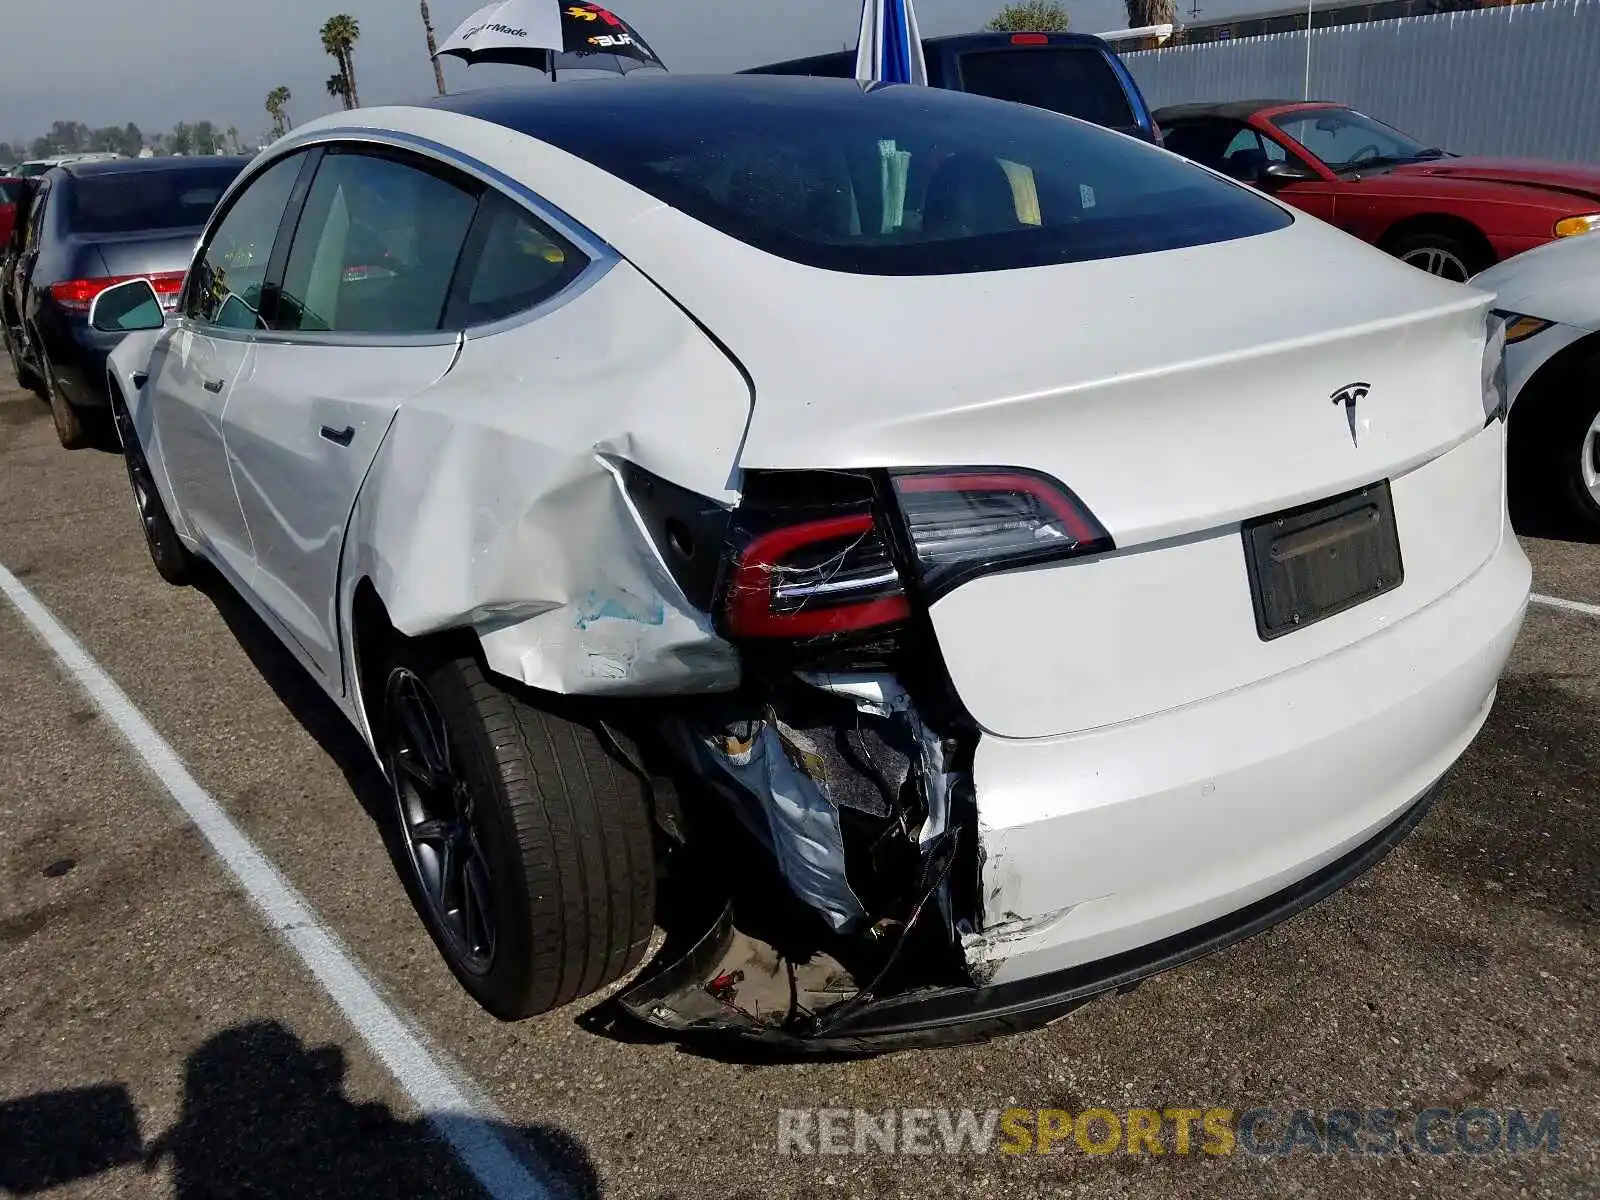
[(1306, 95)]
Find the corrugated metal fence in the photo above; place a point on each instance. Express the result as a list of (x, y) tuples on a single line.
[(1522, 80)]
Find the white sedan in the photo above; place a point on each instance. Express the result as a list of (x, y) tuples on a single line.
[(1550, 299), (984, 558)]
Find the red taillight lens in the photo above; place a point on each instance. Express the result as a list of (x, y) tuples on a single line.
[(970, 522), (77, 295), (820, 573), (829, 576), (1030, 39)]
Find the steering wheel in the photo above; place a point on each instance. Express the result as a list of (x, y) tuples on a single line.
[(1366, 152)]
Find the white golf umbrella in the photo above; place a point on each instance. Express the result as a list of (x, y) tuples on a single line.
[(546, 34), (890, 50)]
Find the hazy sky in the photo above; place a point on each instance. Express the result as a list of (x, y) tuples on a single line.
[(156, 62)]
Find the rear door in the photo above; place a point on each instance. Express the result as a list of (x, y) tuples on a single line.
[(22, 298), (193, 376), (359, 328)]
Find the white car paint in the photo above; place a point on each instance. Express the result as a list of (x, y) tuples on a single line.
[(1559, 282), (1148, 763)]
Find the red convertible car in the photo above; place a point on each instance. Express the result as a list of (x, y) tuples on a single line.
[(1449, 215)]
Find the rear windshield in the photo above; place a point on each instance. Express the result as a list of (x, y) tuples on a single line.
[(1076, 81), (9, 191), (128, 202), (910, 181)]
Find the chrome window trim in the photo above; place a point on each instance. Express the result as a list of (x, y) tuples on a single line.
[(274, 337), (601, 256)]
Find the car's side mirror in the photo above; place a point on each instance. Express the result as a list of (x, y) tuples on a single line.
[(1276, 174), (127, 308)]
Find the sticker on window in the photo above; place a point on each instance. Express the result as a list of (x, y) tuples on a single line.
[(1085, 195)]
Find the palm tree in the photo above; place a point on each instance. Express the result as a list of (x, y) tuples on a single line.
[(339, 36), (1151, 12), (433, 48), (339, 86), (233, 139), (278, 107)]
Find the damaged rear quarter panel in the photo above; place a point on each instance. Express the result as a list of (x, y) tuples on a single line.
[(495, 501)]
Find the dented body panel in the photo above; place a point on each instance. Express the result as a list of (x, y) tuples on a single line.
[(468, 514)]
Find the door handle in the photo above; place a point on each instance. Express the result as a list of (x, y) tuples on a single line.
[(339, 437), (214, 386)]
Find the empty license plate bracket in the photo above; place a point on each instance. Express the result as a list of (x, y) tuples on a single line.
[(1319, 560)]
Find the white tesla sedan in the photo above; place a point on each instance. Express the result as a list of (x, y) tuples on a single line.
[(1551, 302), (987, 558)]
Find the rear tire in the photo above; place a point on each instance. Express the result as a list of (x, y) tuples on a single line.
[(71, 428), (26, 377), (172, 559), (526, 847), (1442, 253), (1570, 446)]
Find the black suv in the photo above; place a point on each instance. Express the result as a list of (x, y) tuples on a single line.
[(1070, 73)]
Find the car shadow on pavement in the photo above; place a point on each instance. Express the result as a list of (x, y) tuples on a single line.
[(299, 693), (264, 1116)]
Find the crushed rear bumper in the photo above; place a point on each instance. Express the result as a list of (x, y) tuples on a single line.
[(677, 1001)]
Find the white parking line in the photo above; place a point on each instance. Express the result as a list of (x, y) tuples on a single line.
[(463, 1125), (1588, 610)]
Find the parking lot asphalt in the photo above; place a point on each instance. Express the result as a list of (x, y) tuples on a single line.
[(156, 1038)]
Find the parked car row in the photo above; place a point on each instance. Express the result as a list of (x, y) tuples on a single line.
[(775, 486), (83, 227), (35, 167)]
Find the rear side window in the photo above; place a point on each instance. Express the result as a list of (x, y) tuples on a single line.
[(513, 261), (912, 181), (1074, 81), (375, 249), (131, 201)]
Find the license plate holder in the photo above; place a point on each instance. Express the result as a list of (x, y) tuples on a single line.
[(1319, 560)]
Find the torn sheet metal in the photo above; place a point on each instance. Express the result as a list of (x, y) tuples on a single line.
[(821, 748), (883, 696), (730, 982), (495, 501), (788, 812)]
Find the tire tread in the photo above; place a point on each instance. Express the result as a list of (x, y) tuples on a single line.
[(582, 838)]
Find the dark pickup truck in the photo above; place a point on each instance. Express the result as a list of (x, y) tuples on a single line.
[(1070, 73)]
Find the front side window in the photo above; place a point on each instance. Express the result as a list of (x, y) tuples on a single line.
[(1345, 139), (1248, 153), (376, 247), (513, 262), (909, 181), (228, 276)]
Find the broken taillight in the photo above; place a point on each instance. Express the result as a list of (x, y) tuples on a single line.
[(814, 578), (815, 568), (970, 522)]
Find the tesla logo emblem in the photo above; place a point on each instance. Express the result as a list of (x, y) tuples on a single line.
[(1351, 396)]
